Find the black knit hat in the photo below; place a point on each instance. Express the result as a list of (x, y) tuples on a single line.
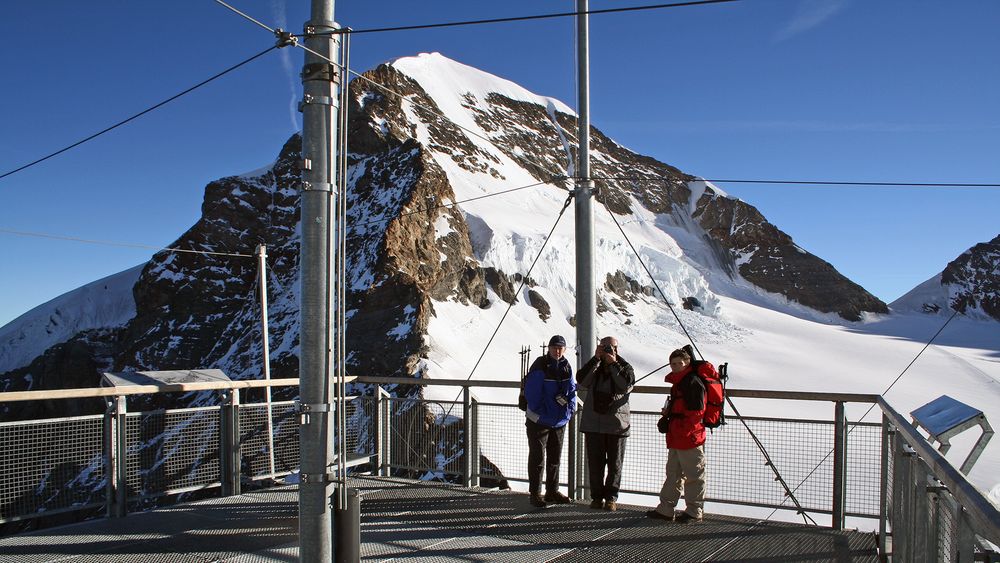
[(557, 341)]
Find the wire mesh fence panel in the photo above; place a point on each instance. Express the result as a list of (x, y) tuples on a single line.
[(864, 468), (946, 526), (800, 450), (503, 443), (52, 465), (171, 451), (644, 468), (254, 447), (424, 439)]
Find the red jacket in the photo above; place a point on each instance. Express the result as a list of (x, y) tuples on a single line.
[(685, 430)]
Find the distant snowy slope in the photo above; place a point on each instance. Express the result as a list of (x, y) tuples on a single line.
[(105, 303)]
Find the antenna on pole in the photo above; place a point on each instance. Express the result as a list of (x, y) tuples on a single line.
[(266, 355)]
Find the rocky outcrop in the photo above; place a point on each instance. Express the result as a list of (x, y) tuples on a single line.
[(974, 280), (768, 258)]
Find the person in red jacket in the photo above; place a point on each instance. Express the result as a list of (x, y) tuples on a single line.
[(685, 440)]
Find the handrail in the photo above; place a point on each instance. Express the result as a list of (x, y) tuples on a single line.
[(981, 511), (121, 390), (647, 389)]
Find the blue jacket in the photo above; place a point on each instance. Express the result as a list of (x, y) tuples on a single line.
[(546, 380)]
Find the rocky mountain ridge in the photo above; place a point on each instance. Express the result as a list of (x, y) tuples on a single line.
[(411, 245)]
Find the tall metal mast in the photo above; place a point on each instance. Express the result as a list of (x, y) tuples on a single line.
[(321, 81), (586, 332)]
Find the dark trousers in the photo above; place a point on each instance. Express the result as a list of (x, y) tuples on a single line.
[(605, 451), (544, 444)]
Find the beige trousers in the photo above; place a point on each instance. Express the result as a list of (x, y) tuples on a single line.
[(685, 468)]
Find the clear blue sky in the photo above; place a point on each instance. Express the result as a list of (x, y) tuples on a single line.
[(897, 90)]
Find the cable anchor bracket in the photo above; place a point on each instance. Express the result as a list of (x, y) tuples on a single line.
[(285, 39)]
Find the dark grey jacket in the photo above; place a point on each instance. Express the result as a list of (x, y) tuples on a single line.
[(605, 390)]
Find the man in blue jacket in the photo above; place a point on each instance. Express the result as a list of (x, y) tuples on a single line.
[(550, 392)]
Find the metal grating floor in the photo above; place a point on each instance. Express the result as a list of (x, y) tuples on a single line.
[(420, 521)]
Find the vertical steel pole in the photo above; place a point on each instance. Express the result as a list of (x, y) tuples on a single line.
[(469, 444), (883, 490), (586, 297), (476, 461), (839, 465), (320, 83), (120, 436), (229, 442), (266, 354)]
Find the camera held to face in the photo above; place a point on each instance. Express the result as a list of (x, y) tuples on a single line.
[(609, 349)]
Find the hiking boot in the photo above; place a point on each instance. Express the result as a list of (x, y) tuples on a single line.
[(684, 518), (537, 500), (556, 497), (657, 515), (610, 505), (597, 504)]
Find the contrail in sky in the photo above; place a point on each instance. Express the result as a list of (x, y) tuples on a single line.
[(808, 15), (278, 11)]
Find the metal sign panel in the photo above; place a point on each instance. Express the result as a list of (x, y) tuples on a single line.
[(163, 377), (943, 414)]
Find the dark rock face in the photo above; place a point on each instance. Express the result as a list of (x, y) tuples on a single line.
[(769, 258), (974, 278), (536, 300)]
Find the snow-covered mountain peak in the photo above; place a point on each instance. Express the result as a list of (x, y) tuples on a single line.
[(451, 83)]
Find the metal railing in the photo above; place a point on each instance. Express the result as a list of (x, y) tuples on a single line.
[(926, 509), (128, 459)]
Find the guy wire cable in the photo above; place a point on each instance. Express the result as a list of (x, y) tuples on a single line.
[(858, 183), (767, 458), (872, 407), (140, 114), (656, 285), (540, 16), (524, 280)]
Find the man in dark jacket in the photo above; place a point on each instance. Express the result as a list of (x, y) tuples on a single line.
[(550, 393), (605, 383)]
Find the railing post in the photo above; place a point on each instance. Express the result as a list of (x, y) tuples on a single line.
[(229, 442), (839, 465), (903, 535), (574, 466), (883, 491), (469, 442), (382, 407), (965, 537), (476, 449), (114, 452), (921, 513)]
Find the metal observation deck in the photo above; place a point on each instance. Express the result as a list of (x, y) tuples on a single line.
[(420, 521), (132, 474)]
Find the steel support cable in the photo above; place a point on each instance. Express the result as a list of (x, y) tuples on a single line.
[(807, 182), (517, 293), (538, 16), (140, 114), (656, 285), (872, 407), (157, 249), (767, 458)]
